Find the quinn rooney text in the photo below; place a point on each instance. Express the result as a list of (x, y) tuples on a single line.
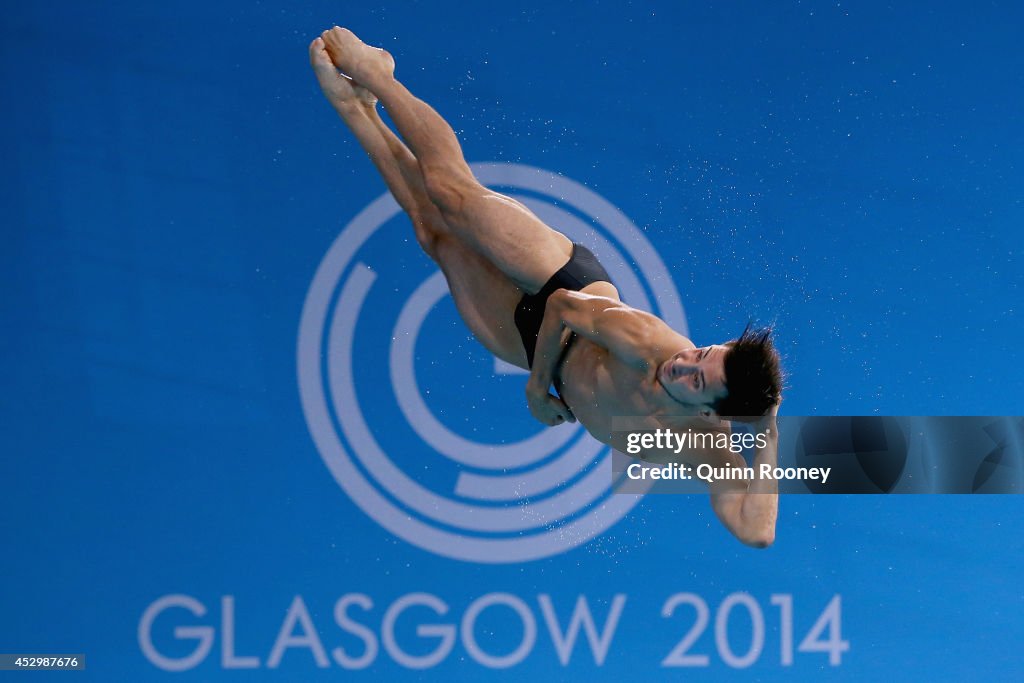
[(707, 473)]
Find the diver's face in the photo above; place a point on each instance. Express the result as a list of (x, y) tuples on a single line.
[(695, 376)]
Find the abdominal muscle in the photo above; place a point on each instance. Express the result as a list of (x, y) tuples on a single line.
[(598, 388), (579, 387)]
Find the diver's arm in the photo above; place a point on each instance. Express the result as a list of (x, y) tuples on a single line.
[(626, 332), (751, 514), (543, 405)]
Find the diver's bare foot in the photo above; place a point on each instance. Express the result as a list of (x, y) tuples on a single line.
[(340, 90), (370, 66)]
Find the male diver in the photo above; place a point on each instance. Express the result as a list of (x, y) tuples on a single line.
[(535, 299)]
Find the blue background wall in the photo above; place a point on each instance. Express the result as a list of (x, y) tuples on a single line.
[(173, 177)]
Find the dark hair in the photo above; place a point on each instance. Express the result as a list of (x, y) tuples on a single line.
[(753, 378)]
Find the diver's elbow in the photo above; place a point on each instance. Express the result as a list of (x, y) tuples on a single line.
[(760, 538)]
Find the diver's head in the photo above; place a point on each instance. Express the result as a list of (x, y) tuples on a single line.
[(740, 378)]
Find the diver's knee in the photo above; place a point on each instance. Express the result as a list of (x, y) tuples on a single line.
[(428, 233), (449, 187)]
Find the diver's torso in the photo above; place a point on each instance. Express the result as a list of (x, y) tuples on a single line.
[(598, 388)]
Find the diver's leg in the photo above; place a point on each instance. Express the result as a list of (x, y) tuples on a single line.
[(486, 299), (484, 296), (503, 230), (396, 165)]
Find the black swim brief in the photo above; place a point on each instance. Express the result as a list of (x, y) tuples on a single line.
[(582, 269)]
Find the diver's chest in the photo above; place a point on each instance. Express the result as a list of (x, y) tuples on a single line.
[(618, 392)]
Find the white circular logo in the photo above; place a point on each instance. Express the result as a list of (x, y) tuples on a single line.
[(393, 446)]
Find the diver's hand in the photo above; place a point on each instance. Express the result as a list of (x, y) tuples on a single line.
[(546, 408)]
